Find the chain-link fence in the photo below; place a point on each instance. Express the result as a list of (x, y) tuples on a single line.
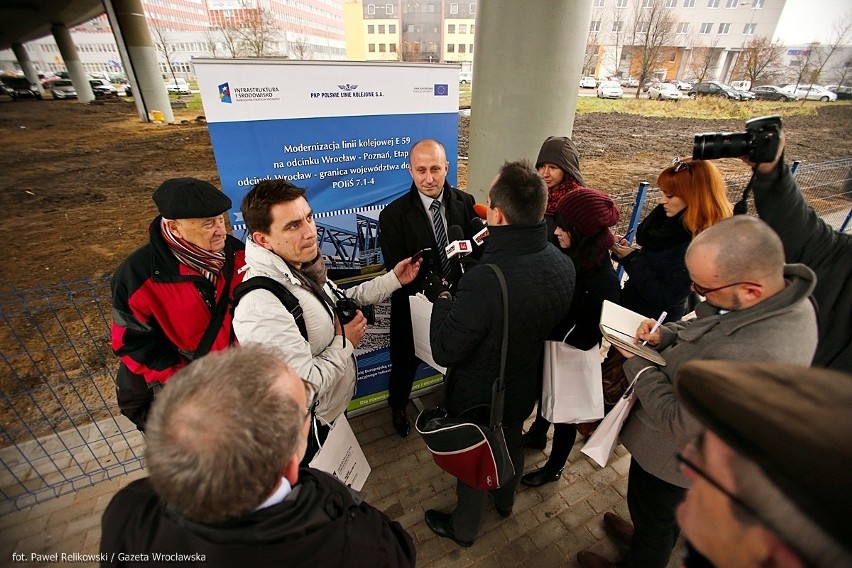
[(58, 417)]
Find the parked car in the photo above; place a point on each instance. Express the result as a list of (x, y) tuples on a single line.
[(664, 91), (741, 85), (714, 89), (773, 93), (811, 92), (681, 85), (746, 95), (178, 86), (103, 88), (20, 88), (630, 83), (63, 89), (128, 90), (610, 90), (588, 82), (465, 77), (843, 93)]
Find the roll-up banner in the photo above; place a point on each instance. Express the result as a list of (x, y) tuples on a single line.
[(341, 130)]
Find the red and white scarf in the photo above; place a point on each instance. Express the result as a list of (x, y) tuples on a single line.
[(209, 264)]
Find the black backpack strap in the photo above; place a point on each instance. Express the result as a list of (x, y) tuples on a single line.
[(281, 292)]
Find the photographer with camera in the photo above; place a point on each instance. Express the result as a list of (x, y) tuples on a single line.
[(807, 239), (282, 245)]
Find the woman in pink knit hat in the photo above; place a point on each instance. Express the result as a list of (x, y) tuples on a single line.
[(583, 218)]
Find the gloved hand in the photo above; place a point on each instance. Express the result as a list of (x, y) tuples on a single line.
[(433, 285)]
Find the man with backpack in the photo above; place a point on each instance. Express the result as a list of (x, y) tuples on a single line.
[(282, 246)]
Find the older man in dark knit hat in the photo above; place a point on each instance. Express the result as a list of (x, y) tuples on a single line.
[(171, 298), (770, 472)]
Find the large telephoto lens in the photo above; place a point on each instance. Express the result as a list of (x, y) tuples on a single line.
[(714, 145)]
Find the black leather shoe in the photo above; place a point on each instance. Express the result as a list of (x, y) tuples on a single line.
[(534, 441), (442, 525), (503, 512), (400, 422), (541, 476)]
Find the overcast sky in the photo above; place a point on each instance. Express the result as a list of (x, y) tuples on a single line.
[(804, 21)]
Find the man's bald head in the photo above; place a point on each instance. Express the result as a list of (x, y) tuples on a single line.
[(744, 248)]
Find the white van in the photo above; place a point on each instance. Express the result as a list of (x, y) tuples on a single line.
[(741, 85), (178, 86)]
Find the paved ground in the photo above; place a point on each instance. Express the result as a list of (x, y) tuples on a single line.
[(549, 525)]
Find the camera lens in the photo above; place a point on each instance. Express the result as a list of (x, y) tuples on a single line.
[(714, 145)]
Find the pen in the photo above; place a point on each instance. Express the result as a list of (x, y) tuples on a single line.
[(656, 326)]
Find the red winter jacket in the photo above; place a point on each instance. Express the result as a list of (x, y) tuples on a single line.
[(161, 308)]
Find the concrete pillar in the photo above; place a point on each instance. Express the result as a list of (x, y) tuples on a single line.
[(529, 56), (68, 51), (139, 56), (30, 72)]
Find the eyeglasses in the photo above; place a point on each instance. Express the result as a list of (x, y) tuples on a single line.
[(678, 165), (687, 462), (704, 291)]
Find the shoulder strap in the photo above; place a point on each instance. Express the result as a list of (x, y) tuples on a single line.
[(281, 292), (218, 316), (498, 390)]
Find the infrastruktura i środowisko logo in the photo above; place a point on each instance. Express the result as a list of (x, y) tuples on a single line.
[(237, 94)]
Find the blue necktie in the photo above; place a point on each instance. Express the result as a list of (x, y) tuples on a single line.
[(440, 236)]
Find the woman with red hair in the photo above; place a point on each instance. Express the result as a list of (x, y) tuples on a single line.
[(693, 198)]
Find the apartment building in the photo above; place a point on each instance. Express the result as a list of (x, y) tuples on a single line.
[(700, 35), (436, 31)]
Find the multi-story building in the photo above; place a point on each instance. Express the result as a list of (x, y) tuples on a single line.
[(437, 31), (691, 37)]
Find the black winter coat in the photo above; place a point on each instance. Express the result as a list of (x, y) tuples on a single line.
[(318, 524), (466, 332), (592, 287)]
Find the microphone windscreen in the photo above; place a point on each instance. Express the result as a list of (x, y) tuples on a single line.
[(481, 210), (455, 233), (477, 224)]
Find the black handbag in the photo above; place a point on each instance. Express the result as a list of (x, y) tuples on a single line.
[(467, 447)]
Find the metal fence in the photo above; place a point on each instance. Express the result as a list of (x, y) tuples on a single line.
[(57, 397)]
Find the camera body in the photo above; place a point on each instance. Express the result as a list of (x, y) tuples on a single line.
[(346, 310), (759, 142)]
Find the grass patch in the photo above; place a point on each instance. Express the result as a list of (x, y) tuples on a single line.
[(703, 107)]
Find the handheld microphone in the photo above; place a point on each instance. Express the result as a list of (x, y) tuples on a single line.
[(480, 231), (458, 246)]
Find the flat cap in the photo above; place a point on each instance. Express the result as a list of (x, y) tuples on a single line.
[(794, 422), (190, 198)]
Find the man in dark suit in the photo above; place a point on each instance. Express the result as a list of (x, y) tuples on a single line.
[(408, 225)]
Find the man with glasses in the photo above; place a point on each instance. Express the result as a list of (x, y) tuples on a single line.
[(225, 488), (756, 308), (770, 473)]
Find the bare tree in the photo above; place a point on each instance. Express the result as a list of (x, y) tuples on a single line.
[(257, 32), (230, 38), (162, 41), (651, 32), (703, 59), (804, 63), (410, 51), (212, 40), (590, 58), (298, 46), (759, 56)]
